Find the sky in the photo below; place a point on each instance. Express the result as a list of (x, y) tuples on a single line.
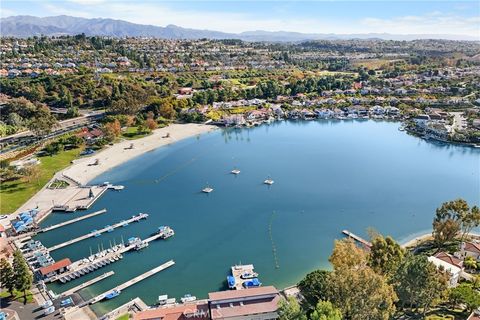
[(333, 16)]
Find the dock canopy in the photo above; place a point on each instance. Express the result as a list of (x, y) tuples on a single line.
[(57, 266)]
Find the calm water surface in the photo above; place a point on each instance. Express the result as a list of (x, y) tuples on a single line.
[(329, 176)]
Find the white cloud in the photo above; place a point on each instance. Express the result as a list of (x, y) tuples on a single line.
[(432, 23), (6, 13)]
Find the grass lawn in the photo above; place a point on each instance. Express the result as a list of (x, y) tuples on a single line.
[(14, 193), (123, 317), (132, 133), (17, 295)]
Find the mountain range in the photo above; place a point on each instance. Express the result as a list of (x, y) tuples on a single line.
[(26, 26)]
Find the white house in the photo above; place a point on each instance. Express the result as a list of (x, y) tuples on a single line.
[(448, 263), (469, 249)]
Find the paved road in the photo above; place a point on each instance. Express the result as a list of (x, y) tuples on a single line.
[(28, 311)]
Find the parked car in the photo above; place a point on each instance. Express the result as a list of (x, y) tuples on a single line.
[(49, 310)]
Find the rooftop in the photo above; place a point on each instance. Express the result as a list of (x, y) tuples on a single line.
[(56, 266), (236, 294), (186, 311)]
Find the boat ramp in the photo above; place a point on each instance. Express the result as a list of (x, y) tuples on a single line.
[(133, 281), (357, 238), (95, 233)]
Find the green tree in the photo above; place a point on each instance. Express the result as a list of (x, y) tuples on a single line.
[(419, 283), (466, 294), (325, 310), (6, 276), (290, 310), (314, 286), (23, 276), (42, 121), (355, 288), (385, 256), (447, 222), (470, 263)]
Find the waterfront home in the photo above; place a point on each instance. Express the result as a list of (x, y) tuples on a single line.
[(250, 304), (233, 120), (469, 249), (392, 111), (450, 264), (437, 130), (277, 111), (324, 113), (307, 114), (421, 120), (54, 269), (197, 310), (377, 110)]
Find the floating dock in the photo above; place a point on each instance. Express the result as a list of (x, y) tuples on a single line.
[(97, 263), (98, 232), (90, 215), (87, 283), (83, 199), (238, 271), (357, 238), (133, 281)]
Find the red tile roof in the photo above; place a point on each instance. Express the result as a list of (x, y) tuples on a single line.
[(448, 258), (232, 294), (56, 266), (186, 311), (245, 308), (472, 247), (474, 316)]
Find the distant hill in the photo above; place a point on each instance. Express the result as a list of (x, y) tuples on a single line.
[(26, 26)]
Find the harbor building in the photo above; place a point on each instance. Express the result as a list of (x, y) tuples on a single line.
[(56, 268), (256, 303), (198, 310)]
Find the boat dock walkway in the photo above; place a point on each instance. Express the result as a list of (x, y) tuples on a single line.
[(87, 283), (98, 232), (59, 225), (357, 238), (97, 263), (133, 281)]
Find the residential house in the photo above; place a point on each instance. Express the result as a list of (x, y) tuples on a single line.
[(469, 249), (450, 264)]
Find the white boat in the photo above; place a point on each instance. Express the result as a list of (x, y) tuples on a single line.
[(235, 171), (188, 298), (207, 190), (268, 181)]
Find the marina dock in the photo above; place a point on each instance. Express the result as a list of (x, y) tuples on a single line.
[(87, 283), (238, 271), (59, 225), (82, 200), (133, 281), (91, 266), (98, 232), (357, 238)]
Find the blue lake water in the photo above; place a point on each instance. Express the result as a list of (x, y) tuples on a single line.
[(329, 176)]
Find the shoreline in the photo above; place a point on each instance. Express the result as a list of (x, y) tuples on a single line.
[(427, 236), (81, 171)]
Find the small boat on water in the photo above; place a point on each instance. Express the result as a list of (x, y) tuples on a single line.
[(235, 171), (207, 189), (231, 282), (124, 223), (268, 181), (249, 275), (62, 280), (252, 283), (141, 245), (188, 298), (166, 232), (112, 294), (96, 233), (109, 228)]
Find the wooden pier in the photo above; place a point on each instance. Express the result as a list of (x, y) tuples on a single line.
[(86, 284), (94, 233), (59, 225), (133, 281), (357, 238)]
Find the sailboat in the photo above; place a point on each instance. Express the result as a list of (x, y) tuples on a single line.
[(268, 181), (207, 189)]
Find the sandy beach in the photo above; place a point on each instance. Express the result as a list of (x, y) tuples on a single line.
[(428, 236), (82, 170)]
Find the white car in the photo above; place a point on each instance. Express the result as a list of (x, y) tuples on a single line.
[(3, 216), (47, 304)]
